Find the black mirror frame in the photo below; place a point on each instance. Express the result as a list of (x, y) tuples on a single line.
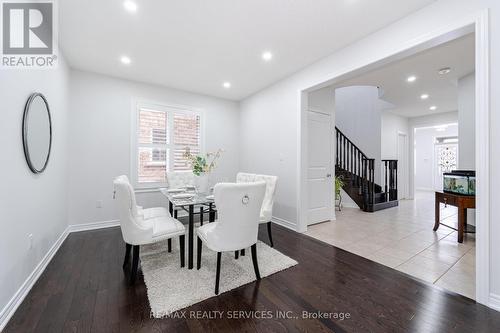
[(25, 133)]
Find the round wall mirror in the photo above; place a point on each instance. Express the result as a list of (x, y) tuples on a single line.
[(37, 132)]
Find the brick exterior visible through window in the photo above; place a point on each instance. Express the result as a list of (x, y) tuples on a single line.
[(159, 150)]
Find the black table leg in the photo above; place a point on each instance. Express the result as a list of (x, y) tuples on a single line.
[(190, 239), (211, 213)]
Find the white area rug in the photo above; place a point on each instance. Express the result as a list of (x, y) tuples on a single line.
[(171, 288)]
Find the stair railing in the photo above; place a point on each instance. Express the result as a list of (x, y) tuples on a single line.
[(350, 158), (390, 179)]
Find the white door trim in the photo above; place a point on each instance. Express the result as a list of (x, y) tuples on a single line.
[(478, 23)]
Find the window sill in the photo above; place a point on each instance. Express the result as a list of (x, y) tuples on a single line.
[(148, 190)]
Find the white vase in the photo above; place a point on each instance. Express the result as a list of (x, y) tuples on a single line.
[(203, 183)]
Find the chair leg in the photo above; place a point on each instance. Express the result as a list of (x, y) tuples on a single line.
[(255, 263), (128, 247), (242, 252), (182, 248), (269, 233), (170, 245), (217, 274), (199, 246), (236, 253), (135, 263)]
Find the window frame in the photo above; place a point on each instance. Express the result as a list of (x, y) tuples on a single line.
[(170, 110)]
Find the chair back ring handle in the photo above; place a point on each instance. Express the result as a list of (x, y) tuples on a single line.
[(245, 200)]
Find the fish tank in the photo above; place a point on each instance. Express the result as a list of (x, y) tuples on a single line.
[(460, 182)]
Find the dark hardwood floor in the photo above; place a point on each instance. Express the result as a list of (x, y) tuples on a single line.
[(85, 290)]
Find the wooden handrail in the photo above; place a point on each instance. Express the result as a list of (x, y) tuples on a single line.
[(352, 143)]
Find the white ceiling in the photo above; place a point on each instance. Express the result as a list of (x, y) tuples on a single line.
[(196, 45), (442, 89)]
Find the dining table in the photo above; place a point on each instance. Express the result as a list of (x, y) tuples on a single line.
[(193, 203)]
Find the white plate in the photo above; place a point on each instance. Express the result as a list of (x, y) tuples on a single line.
[(210, 197)]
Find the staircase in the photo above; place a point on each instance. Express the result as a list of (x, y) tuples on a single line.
[(357, 171)]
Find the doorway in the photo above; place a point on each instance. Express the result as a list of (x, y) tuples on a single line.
[(479, 25), (445, 159)]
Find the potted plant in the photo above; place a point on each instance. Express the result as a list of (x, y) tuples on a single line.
[(202, 165), (339, 183)]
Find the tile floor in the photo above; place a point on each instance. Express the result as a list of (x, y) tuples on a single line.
[(402, 238)]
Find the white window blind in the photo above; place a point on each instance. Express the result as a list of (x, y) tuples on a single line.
[(186, 134), (163, 135)]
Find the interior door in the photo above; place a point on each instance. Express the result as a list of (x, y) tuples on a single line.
[(319, 170), (402, 166)]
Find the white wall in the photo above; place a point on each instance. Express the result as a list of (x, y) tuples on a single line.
[(392, 125), (425, 163), (30, 204), (100, 127), (466, 122), (358, 116), (275, 112), (322, 100), (467, 129)]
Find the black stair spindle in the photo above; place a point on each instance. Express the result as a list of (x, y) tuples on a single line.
[(343, 160), (347, 155), (336, 148), (395, 197), (352, 155), (385, 181)]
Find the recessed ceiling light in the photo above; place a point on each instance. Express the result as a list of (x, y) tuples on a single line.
[(226, 85), (125, 60), (433, 108), (267, 56), (424, 96), (130, 6), (411, 78), (444, 70)]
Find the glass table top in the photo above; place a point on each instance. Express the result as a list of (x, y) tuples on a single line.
[(186, 197)]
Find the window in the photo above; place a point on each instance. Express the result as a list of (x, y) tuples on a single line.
[(162, 136)]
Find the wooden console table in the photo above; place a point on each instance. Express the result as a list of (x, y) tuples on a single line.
[(462, 202)]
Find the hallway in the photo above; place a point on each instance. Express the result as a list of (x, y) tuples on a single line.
[(402, 238)]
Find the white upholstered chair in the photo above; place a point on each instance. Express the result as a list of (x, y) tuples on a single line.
[(138, 230), (180, 179), (236, 228), (146, 213), (266, 212)]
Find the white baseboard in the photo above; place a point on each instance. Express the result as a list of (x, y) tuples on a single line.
[(494, 302), (25, 288), (93, 225), (284, 223)]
